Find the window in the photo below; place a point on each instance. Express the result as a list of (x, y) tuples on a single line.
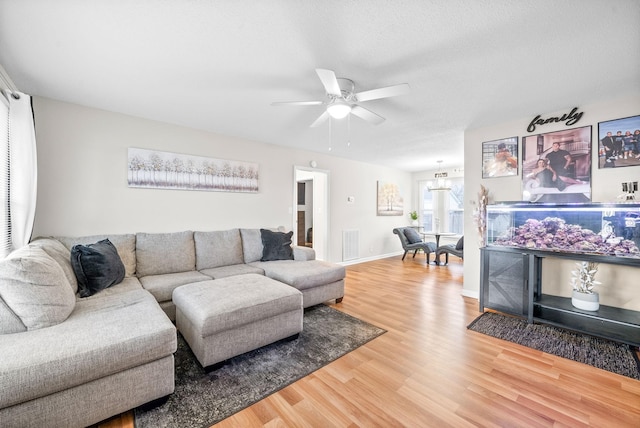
[(443, 210), (18, 175)]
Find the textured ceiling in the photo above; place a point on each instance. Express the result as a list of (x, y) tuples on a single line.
[(218, 65)]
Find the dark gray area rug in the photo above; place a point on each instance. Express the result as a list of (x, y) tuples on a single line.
[(201, 399), (604, 354)]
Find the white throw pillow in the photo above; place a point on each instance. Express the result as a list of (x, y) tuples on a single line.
[(35, 288)]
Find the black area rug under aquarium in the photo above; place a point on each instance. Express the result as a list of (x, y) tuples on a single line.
[(601, 353), (203, 399)]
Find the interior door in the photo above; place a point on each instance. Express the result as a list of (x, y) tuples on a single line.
[(319, 181)]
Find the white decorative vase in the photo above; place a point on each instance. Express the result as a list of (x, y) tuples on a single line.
[(415, 223), (585, 301)]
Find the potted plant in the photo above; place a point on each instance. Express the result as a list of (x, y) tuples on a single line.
[(414, 218), (583, 282)]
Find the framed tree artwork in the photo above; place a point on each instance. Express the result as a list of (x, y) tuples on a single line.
[(556, 166), (389, 199), (154, 169)]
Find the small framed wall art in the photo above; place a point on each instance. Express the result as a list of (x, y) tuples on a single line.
[(500, 158), (389, 199), (619, 142)]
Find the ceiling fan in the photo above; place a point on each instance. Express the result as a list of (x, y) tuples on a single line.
[(342, 99)]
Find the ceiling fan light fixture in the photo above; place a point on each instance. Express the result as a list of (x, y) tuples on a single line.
[(339, 109)]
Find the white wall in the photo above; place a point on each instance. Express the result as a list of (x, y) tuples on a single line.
[(605, 183), (82, 182)]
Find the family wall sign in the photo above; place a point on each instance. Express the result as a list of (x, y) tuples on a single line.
[(570, 118)]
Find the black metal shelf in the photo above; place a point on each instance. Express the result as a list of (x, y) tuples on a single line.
[(607, 322)]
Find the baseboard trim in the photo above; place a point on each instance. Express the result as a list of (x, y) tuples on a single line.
[(473, 294), (369, 259)]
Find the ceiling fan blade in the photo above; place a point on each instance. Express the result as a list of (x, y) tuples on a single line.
[(297, 103), (367, 115), (329, 81), (389, 91), (324, 116)]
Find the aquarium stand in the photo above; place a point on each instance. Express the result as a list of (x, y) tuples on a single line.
[(511, 283)]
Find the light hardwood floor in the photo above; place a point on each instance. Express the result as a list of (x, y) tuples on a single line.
[(429, 370)]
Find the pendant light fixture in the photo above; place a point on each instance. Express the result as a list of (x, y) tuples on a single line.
[(441, 182)]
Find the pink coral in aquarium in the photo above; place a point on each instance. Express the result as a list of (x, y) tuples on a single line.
[(555, 234)]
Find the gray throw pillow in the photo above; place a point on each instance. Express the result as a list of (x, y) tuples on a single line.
[(97, 266), (276, 245), (35, 291), (412, 236), (460, 244)]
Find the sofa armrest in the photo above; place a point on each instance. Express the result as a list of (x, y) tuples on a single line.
[(303, 253)]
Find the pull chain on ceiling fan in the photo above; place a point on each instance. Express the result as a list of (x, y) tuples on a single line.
[(342, 100)]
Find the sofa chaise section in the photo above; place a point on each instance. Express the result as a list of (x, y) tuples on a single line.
[(114, 350), (90, 367), (319, 281)]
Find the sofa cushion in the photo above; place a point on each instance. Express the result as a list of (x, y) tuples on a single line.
[(276, 245), (60, 254), (160, 253), (9, 321), (97, 266), (302, 275), (219, 248), (251, 245), (129, 283), (35, 288), (232, 270), (412, 235), (162, 286), (124, 243), (303, 253), (229, 303)]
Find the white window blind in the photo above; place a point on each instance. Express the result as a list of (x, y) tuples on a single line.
[(5, 216), (18, 171)]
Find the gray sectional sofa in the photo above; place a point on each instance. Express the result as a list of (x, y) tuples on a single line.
[(73, 361)]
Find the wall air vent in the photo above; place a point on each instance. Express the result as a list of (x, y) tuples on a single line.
[(350, 245)]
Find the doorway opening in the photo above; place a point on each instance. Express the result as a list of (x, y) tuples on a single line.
[(311, 218)]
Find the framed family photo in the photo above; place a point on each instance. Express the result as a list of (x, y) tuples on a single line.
[(556, 166), (619, 142), (500, 158)]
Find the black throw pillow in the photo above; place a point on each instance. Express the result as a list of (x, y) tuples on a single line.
[(97, 266), (460, 244), (412, 235), (276, 245)]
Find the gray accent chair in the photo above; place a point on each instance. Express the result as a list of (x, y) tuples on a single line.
[(456, 250), (427, 247)]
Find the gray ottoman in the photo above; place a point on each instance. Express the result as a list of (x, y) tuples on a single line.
[(226, 317)]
